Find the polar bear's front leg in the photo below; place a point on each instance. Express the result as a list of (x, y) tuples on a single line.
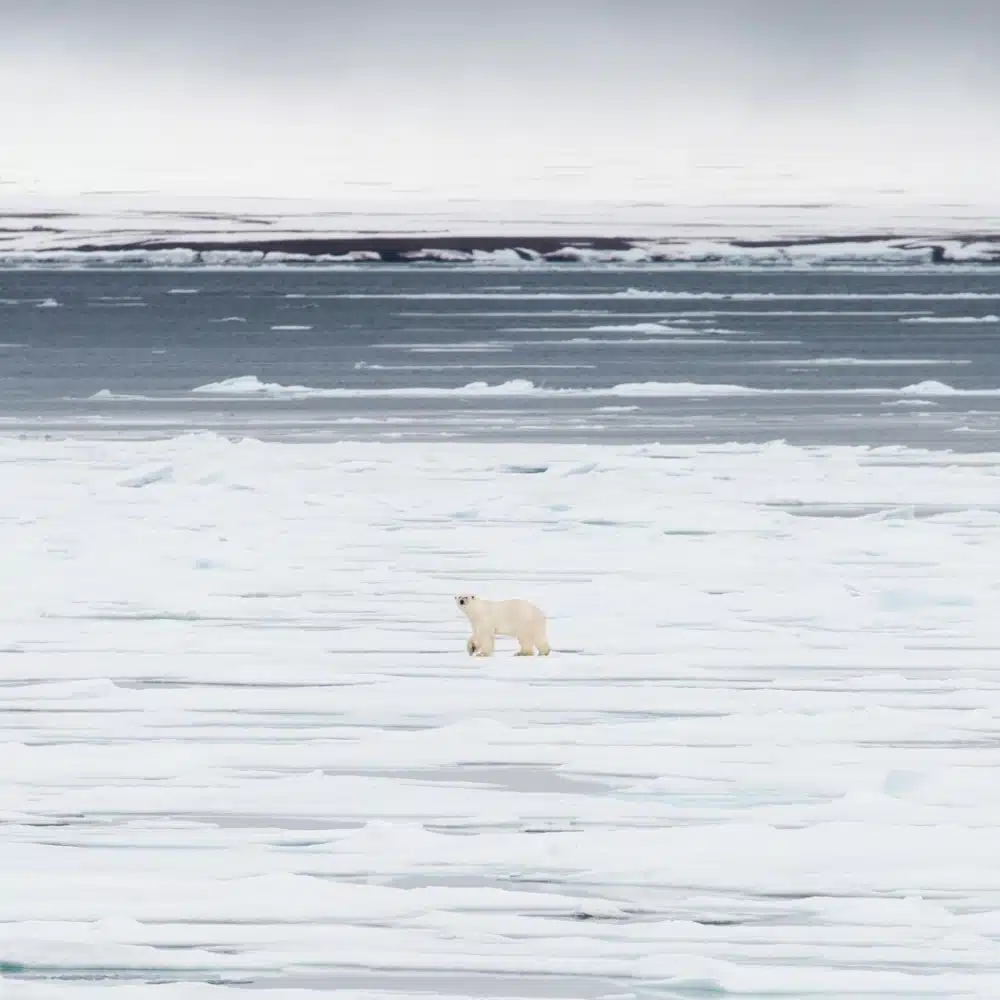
[(470, 645), (483, 643)]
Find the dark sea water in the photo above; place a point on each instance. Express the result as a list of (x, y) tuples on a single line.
[(831, 354)]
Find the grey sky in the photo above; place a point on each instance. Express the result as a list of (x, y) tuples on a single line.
[(592, 73), (617, 45)]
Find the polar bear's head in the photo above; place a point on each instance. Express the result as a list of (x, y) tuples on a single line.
[(464, 600)]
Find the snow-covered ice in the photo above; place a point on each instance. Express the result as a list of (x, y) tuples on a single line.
[(989, 318), (244, 746), (243, 385), (164, 228)]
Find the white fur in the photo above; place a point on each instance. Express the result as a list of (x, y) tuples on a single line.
[(519, 619)]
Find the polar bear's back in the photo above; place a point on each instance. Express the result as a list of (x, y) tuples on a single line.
[(511, 617)]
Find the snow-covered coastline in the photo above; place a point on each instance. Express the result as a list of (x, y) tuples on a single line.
[(170, 232)]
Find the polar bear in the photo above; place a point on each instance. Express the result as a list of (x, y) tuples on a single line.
[(519, 619)]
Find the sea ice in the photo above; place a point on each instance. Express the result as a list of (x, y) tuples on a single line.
[(990, 318), (251, 385), (243, 743)]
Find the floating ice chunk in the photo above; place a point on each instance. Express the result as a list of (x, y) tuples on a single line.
[(930, 387), (678, 389), (860, 362), (243, 385), (108, 394), (634, 328), (251, 385), (515, 387), (951, 319)]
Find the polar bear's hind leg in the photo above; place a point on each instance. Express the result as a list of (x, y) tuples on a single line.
[(541, 642)]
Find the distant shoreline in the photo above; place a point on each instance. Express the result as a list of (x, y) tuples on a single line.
[(539, 244), (245, 250), (159, 231)]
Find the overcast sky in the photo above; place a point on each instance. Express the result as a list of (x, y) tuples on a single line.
[(600, 97)]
